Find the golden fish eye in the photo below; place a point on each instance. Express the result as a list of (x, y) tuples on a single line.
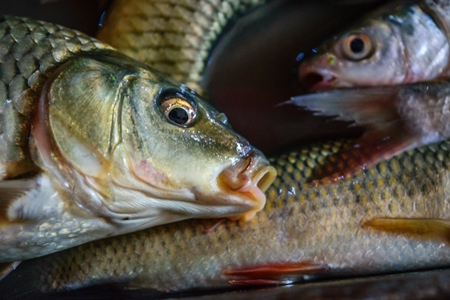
[(178, 111), (357, 47)]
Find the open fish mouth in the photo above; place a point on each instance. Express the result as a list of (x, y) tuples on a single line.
[(313, 79), (249, 178)]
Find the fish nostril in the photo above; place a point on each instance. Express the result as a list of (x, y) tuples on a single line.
[(309, 80)]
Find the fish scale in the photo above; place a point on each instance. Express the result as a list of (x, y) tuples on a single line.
[(301, 222), (90, 147), (30, 51), (180, 37)]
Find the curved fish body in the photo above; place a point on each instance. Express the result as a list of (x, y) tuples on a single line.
[(95, 144), (402, 42), (394, 218), (174, 38)]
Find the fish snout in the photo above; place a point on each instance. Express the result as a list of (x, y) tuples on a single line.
[(250, 177), (313, 77)]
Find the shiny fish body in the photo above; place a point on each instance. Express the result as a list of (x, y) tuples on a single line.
[(301, 223), (95, 144), (399, 58), (402, 42), (173, 37)]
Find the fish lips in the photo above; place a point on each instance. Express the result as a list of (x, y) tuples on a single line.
[(247, 180), (314, 78)]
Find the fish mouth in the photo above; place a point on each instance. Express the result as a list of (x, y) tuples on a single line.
[(314, 79), (249, 178)]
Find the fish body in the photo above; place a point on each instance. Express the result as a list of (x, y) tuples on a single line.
[(174, 38), (394, 218), (402, 42), (399, 51), (396, 118), (95, 144)]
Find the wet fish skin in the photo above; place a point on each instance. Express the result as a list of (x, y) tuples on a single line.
[(389, 48), (30, 51), (96, 144), (174, 38), (397, 118), (320, 225)]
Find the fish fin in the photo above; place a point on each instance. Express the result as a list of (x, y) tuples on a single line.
[(273, 273), (213, 226), (6, 268), (365, 106), (10, 191), (373, 108), (370, 149), (422, 228)]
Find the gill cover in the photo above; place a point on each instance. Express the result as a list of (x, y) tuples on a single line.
[(77, 126)]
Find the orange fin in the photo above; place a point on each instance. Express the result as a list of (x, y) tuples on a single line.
[(422, 228), (273, 273)]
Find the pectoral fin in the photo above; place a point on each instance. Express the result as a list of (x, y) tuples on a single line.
[(370, 106), (372, 148), (6, 268), (373, 108), (422, 228), (10, 191), (272, 273)]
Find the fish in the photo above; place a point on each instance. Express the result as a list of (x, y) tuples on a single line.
[(386, 51), (393, 219), (396, 119), (95, 144), (401, 42), (174, 38)]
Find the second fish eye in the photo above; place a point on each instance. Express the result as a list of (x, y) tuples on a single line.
[(178, 111), (357, 47)]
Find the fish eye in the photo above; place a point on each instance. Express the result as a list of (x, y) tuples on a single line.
[(357, 47), (178, 111)]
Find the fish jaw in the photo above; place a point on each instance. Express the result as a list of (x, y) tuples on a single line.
[(249, 178), (147, 197), (315, 77)]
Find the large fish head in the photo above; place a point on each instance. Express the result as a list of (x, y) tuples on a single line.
[(394, 45), (183, 152), (148, 150)]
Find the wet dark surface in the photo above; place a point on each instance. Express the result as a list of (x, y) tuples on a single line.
[(82, 15), (432, 284), (251, 71)]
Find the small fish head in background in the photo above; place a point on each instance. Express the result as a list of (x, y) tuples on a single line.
[(395, 45), (151, 150)]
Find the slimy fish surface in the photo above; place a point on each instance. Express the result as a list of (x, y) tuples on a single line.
[(402, 42), (95, 144), (397, 118), (173, 37), (394, 218), (399, 51)]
